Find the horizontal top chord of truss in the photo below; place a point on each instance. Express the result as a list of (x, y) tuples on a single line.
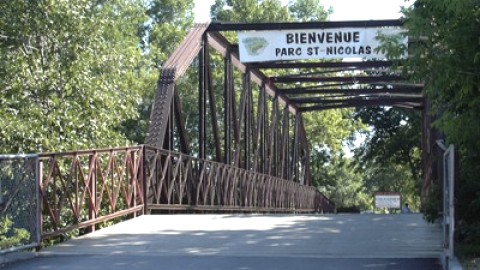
[(352, 79), (227, 26), (403, 102), (350, 91)]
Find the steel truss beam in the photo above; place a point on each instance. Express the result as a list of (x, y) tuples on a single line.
[(223, 26), (348, 92), (413, 103), (355, 80), (260, 126), (173, 68), (353, 100)]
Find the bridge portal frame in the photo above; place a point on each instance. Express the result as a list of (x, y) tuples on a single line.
[(274, 140)]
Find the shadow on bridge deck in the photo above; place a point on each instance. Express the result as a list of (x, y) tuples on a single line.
[(251, 242)]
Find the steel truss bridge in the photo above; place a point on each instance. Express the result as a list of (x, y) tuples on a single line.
[(249, 151)]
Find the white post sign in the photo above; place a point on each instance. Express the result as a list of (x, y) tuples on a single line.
[(260, 46), (388, 200)]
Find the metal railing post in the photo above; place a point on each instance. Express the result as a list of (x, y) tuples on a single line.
[(39, 201), (93, 190), (144, 175)]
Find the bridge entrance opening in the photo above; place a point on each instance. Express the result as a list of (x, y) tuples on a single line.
[(248, 149), (258, 82), (256, 87)]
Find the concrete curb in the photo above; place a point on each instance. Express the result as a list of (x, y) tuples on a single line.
[(13, 257)]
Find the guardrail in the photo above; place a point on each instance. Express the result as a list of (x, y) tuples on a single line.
[(179, 181), (80, 190), (83, 188)]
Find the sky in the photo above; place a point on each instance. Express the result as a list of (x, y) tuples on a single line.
[(343, 10)]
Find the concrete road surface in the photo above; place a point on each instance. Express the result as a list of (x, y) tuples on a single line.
[(244, 242)]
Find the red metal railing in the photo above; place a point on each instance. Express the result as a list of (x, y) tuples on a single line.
[(84, 188), (179, 181)]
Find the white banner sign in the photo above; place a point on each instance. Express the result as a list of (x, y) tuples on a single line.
[(388, 201), (260, 46)]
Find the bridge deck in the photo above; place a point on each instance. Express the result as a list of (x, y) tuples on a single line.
[(251, 242)]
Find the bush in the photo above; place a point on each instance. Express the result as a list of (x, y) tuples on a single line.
[(11, 237)]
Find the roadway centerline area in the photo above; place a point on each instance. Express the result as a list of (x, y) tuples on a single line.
[(251, 242)]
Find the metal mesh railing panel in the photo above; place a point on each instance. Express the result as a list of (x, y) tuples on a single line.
[(19, 203)]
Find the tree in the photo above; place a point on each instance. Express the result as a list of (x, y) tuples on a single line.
[(252, 11), (268, 11), (394, 137), (389, 158), (345, 186), (70, 73), (446, 58), (167, 24), (308, 10)]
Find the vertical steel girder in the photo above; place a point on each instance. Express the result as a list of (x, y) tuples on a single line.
[(202, 101), (212, 103), (247, 88), (227, 113), (258, 132), (273, 145), (279, 149)]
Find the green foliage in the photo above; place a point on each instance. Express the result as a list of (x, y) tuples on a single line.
[(308, 10), (432, 203), (392, 46), (330, 128), (249, 11), (446, 58), (9, 236), (469, 255), (332, 172), (345, 186), (70, 73), (253, 11), (394, 137), (389, 159), (168, 23)]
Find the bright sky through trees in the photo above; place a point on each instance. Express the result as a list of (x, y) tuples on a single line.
[(342, 9)]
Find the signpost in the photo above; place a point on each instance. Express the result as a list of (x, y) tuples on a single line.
[(334, 43)]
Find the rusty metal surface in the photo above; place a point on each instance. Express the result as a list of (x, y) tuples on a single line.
[(247, 136), (413, 103), (161, 108), (174, 67), (222, 46), (178, 181), (84, 188), (186, 52)]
